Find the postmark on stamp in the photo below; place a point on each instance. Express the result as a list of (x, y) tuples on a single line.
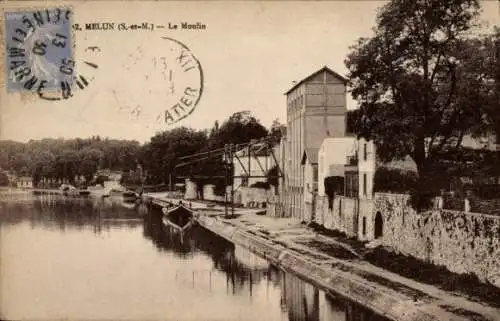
[(40, 53), (39, 49)]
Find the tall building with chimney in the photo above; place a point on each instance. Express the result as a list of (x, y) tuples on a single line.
[(316, 109)]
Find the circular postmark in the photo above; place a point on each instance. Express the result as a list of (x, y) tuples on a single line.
[(40, 54), (162, 82), (185, 77)]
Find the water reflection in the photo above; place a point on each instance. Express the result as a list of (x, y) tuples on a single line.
[(121, 262), (300, 301), (62, 213)]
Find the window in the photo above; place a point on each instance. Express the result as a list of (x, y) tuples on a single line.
[(315, 178), (364, 225), (364, 185), (365, 152), (379, 225), (351, 185)]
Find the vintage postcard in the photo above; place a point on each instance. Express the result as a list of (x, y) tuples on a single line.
[(250, 160)]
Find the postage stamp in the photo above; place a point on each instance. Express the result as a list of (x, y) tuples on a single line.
[(39, 50), (40, 54)]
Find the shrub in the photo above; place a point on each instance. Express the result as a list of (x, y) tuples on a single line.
[(264, 185), (422, 190), (487, 191), (100, 180), (272, 176), (394, 180), (453, 203), (220, 187), (426, 188), (421, 200), (334, 185)]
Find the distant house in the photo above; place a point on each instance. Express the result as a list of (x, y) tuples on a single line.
[(111, 175), (24, 182), (488, 142)]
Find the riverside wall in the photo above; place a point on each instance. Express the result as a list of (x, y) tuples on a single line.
[(462, 242), (379, 300)]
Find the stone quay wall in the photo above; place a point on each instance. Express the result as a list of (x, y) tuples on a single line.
[(393, 307), (462, 242)]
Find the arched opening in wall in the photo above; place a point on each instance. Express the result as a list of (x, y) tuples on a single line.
[(379, 225)]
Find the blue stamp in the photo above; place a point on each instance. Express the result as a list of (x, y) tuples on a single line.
[(39, 55)]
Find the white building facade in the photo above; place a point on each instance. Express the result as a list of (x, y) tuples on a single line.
[(341, 156)]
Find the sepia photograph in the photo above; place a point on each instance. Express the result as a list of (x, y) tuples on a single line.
[(250, 160)]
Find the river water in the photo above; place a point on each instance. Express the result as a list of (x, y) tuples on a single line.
[(98, 259)]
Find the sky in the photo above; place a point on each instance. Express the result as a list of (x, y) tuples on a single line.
[(249, 54)]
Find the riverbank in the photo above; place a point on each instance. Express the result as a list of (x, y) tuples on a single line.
[(337, 267), (100, 192)]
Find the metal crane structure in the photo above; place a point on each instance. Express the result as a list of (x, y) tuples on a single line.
[(229, 155)]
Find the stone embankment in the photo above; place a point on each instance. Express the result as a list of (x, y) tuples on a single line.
[(289, 248), (382, 303)]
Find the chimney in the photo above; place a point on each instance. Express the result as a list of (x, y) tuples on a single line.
[(294, 82)]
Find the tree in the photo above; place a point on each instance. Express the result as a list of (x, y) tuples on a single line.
[(479, 85), (4, 179), (67, 165), (273, 176), (160, 156), (276, 132), (44, 166), (490, 49), (239, 128), (351, 119), (418, 92), (89, 164)]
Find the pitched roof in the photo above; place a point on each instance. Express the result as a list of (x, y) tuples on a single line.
[(311, 154), (325, 68), (256, 150)]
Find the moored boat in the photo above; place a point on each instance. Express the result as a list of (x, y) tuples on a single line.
[(129, 205), (70, 190), (179, 217), (129, 196)]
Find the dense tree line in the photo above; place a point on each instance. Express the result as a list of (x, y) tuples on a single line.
[(58, 160), (424, 81)]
